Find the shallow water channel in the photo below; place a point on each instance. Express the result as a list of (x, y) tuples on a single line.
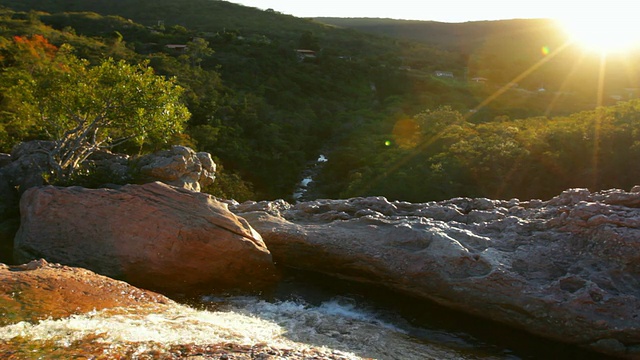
[(305, 311)]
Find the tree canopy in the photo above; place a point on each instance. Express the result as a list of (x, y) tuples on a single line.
[(85, 108)]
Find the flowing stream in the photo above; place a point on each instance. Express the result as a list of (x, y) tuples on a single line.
[(304, 312), (313, 168)]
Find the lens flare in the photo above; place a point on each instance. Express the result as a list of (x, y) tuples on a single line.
[(604, 33), (545, 50), (406, 133)]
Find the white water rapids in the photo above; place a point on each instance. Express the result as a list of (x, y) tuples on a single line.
[(337, 324), (304, 316)]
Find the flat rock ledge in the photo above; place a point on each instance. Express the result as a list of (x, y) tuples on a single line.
[(566, 269)]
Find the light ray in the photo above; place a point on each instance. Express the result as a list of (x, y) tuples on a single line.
[(565, 84), (519, 78), (425, 144), (596, 131)]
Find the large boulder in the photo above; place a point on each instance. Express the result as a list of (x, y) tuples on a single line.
[(40, 290), (566, 269), (154, 236)]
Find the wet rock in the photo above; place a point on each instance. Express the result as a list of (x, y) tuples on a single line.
[(153, 236), (40, 290), (565, 269)]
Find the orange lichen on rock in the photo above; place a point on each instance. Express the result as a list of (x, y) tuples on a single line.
[(40, 290)]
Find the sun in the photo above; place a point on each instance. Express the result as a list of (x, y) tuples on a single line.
[(604, 32)]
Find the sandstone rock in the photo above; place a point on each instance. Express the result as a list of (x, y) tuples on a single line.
[(566, 269), (180, 167), (28, 165), (153, 236), (40, 290), (208, 174)]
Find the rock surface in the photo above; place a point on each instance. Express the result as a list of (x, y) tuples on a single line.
[(153, 236), (40, 290), (566, 269), (28, 165), (180, 166)]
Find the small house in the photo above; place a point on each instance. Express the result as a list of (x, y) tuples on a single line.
[(445, 74), (177, 47), (305, 54)]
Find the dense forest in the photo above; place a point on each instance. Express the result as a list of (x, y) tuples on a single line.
[(460, 110)]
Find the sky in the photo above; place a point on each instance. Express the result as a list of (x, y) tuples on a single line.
[(447, 10)]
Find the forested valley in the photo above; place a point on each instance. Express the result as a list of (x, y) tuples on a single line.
[(512, 111)]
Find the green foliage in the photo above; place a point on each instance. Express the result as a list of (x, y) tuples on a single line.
[(449, 156), (229, 185), (86, 108)]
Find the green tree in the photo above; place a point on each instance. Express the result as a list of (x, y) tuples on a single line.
[(197, 50), (308, 41), (83, 109)]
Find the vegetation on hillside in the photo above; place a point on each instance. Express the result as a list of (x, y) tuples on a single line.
[(438, 154), (372, 103), (502, 51)]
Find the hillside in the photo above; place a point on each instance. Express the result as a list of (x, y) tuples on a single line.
[(266, 110), (460, 37), (503, 50), (255, 104)]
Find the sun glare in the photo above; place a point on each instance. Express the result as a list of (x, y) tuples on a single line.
[(604, 33)]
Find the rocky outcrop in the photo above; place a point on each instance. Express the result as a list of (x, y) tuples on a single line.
[(566, 269), (153, 236), (180, 166), (40, 290), (28, 166)]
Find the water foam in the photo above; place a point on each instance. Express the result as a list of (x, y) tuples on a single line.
[(176, 324), (338, 325)]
